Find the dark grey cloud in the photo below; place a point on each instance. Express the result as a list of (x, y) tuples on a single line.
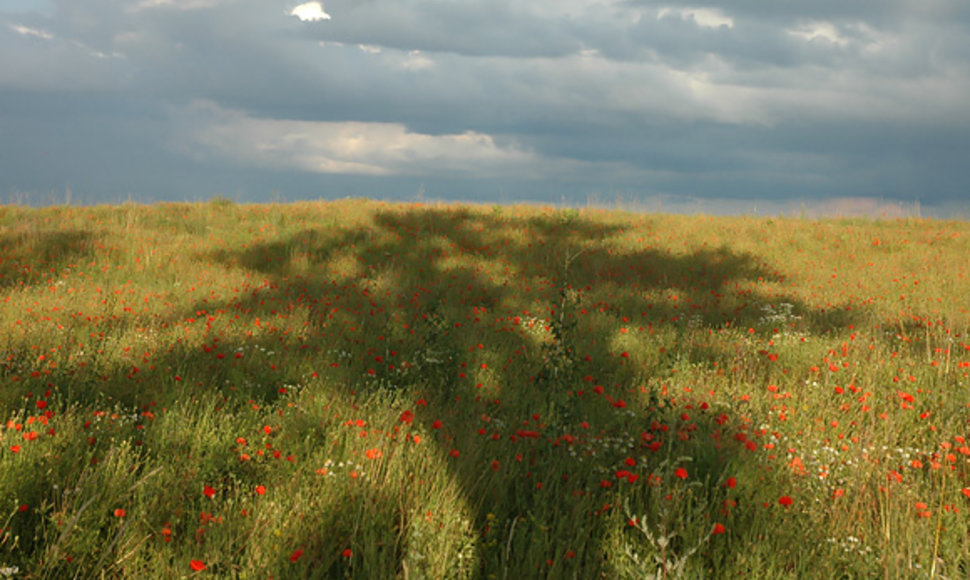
[(556, 98), (498, 28)]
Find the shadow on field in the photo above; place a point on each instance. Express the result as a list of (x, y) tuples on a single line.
[(33, 257), (431, 264), (536, 305)]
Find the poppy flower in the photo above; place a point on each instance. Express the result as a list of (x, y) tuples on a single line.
[(681, 473), (261, 490), (718, 529), (785, 501), (197, 565), (208, 491), (296, 555)]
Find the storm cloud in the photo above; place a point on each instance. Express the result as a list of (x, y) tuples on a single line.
[(499, 100)]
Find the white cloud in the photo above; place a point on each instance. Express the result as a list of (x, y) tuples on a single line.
[(416, 60), (177, 4), (411, 60), (28, 31), (310, 12), (819, 30), (703, 17), (346, 147)]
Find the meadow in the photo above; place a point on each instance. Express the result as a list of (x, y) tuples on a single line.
[(356, 389)]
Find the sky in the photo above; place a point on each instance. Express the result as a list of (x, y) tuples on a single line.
[(726, 106)]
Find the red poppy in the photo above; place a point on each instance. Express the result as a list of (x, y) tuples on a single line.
[(261, 490), (785, 501), (347, 553), (119, 513), (296, 555), (208, 491), (731, 482), (681, 473), (718, 529), (197, 565)]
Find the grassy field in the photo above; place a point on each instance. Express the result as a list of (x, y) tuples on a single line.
[(366, 390)]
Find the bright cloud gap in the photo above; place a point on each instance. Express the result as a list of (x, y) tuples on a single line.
[(310, 12)]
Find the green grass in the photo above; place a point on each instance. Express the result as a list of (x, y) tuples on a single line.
[(366, 390)]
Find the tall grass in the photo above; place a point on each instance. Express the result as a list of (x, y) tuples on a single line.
[(365, 390)]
